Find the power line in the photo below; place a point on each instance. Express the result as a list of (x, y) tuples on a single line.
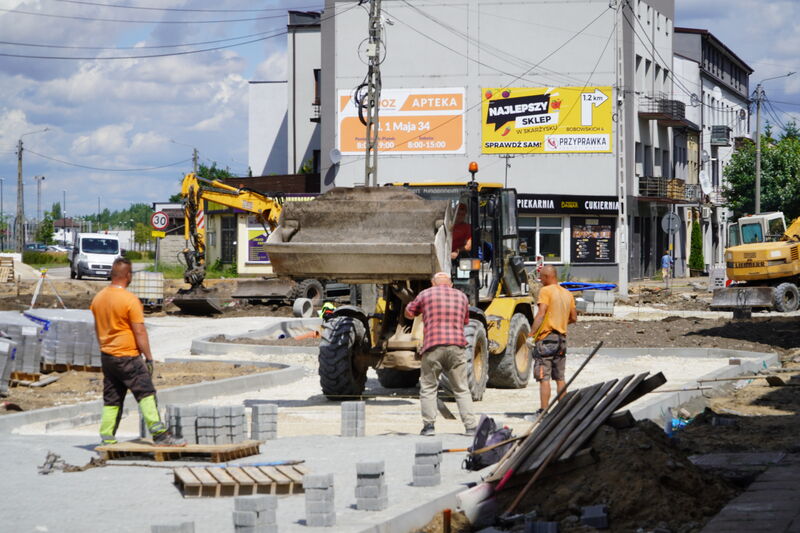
[(65, 47), (177, 9), (132, 21), (28, 150)]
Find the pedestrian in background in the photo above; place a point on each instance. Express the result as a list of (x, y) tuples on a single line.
[(666, 266), (549, 335), (445, 312), (119, 323)]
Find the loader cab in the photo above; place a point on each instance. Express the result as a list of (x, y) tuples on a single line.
[(488, 212)]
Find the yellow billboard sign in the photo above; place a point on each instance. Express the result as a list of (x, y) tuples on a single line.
[(540, 120), (158, 234)]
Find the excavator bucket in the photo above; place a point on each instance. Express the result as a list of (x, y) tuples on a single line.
[(362, 235), (199, 301), (743, 298)]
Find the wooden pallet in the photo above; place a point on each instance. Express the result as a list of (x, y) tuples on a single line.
[(66, 367), (25, 376), (6, 269), (215, 453), (222, 481)]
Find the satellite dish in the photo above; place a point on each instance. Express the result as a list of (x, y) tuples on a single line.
[(335, 156)]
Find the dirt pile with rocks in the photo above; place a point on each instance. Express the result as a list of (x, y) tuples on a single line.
[(641, 475)]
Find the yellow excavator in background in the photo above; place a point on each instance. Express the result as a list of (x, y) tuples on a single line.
[(766, 274), (194, 190)]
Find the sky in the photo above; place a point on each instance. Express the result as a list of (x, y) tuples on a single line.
[(124, 117)]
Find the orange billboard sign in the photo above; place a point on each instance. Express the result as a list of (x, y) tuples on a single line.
[(411, 121)]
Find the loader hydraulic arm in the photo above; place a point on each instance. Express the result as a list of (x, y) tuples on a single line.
[(193, 191)]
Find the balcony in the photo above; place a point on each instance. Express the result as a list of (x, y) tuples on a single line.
[(665, 188), (670, 113), (720, 136), (692, 192)]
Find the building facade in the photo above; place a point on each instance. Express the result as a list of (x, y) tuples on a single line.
[(716, 96)]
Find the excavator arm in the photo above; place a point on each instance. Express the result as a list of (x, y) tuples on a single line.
[(194, 190)]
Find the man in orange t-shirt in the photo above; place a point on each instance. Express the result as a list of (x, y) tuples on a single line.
[(119, 323), (549, 331)]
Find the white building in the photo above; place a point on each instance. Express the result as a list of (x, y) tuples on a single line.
[(715, 88)]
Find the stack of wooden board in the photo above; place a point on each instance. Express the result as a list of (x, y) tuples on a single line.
[(6, 269), (216, 453), (571, 422), (221, 481)]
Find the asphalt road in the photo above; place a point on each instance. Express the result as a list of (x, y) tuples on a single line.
[(63, 272)]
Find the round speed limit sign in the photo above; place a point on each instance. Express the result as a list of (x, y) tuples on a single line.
[(159, 220)]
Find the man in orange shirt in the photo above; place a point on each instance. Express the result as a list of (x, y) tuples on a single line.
[(119, 323), (549, 331)]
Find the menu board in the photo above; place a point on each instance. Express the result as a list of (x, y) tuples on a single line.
[(592, 239)]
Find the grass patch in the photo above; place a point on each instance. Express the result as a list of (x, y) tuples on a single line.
[(215, 271)]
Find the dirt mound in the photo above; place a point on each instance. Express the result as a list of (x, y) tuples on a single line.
[(676, 299), (286, 341), (643, 478)]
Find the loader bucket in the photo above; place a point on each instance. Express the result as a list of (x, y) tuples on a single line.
[(197, 301), (362, 235), (743, 298)]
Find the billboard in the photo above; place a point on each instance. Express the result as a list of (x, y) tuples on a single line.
[(411, 121), (540, 120)]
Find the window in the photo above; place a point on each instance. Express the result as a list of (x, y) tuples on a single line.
[(228, 238), (541, 236)]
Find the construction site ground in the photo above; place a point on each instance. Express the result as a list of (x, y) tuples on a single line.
[(640, 473)]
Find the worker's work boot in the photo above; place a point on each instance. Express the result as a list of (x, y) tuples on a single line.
[(166, 438), (427, 430)]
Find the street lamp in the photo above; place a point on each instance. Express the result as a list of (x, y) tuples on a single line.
[(39, 180), (3, 228), (19, 223), (759, 97)]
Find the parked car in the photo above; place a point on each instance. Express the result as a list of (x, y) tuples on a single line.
[(35, 247), (57, 248)]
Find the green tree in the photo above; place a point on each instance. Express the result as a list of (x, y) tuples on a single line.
[(44, 233), (55, 211), (791, 131), (780, 177), (141, 234), (696, 261)]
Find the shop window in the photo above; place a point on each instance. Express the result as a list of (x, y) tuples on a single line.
[(541, 236)]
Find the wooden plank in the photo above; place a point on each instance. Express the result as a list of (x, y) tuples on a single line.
[(227, 484), (290, 472), (536, 435), (588, 402), (264, 484), (645, 387), (301, 469), (282, 483), (589, 425), (621, 420), (245, 482), (210, 485), (189, 485)]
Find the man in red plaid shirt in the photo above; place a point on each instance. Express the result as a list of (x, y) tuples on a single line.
[(445, 312)]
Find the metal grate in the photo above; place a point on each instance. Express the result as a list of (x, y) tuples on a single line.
[(795, 253)]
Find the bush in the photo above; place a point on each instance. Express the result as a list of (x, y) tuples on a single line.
[(133, 255), (696, 261), (44, 258)]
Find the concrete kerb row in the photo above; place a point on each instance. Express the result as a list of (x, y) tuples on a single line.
[(286, 328), (657, 408), (186, 394)]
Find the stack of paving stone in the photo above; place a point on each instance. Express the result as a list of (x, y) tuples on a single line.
[(596, 303), (320, 509), (68, 336), (26, 334), (7, 351), (264, 422), (220, 425), (184, 527), (255, 514), (371, 490), (182, 422), (427, 460), (353, 419)]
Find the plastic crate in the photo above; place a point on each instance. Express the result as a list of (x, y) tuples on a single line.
[(148, 287)]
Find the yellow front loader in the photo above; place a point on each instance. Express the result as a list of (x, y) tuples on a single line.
[(393, 239)]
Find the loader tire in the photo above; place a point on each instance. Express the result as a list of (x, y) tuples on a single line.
[(512, 368), (787, 297), (477, 351), (311, 289), (391, 378), (342, 339)]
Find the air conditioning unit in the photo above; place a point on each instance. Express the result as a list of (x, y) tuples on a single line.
[(707, 213)]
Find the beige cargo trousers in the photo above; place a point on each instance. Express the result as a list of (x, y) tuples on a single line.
[(453, 361)]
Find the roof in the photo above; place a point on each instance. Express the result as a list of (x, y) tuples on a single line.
[(711, 36)]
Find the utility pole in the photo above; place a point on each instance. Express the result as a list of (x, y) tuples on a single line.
[(39, 180), (19, 223), (507, 165), (759, 96), (621, 147), (373, 94), (194, 160), (3, 226)]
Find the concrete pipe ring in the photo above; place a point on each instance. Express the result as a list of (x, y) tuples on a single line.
[(303, 308)]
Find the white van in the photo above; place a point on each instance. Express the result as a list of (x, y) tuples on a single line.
[(93, 254)]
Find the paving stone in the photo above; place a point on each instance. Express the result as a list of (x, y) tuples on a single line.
[(245, 518), (428, 459), (263, 528), (372, 504), (376, 491), (183, 527), (319, 495), (257, 503), (317, 481), (428, 447), (205, 411), (425, 470), (539, 526), (427, 481), (319, 507), (321, 520)]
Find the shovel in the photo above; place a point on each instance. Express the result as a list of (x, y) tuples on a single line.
[(444, 410)]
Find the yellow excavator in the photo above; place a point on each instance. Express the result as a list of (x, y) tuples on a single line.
[(194, 190), (766, 274), (393, 239)]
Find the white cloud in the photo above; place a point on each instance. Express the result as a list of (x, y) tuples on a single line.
[(273, 68)]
